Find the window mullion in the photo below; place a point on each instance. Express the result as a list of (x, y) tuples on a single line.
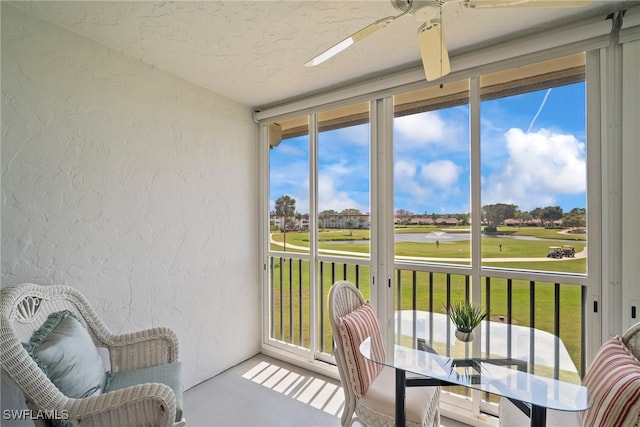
[(476, 200), (382, 232), (476, 213), (313, 235)]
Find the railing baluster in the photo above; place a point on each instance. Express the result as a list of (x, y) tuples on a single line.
[(300, 303), (399, 289), (487, 297), (273, 292), (556, 331), (509, 316), (448, 291), (357, 276), (431, 308), (583, 331), (467, 288), (431, 291), (467, 297), (532, 325), (414, 296), (333, 273), (322, 306), (291, 300), (281, 301)]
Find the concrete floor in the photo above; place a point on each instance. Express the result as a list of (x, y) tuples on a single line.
[(266, 392)]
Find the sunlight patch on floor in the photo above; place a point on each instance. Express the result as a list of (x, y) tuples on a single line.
[(312, 391)]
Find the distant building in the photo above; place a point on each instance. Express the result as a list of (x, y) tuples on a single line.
[(355, 221), (448, 221), (421, 221), (533, 222)]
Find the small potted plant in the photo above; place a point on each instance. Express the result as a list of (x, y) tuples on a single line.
[(466, 317)]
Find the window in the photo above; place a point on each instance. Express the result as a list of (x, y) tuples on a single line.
[(288, 296), (344, 218), (288, 184), (478, 169), (319, 223), (533, 170), (432, 175)]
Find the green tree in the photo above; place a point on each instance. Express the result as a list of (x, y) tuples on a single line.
[(322, 216), (536, 213), (351, 211), (494, 215), (285, 208), (350, 224), (551, 213), (576, 218), (404, 215), (463, 218), (521, 216)]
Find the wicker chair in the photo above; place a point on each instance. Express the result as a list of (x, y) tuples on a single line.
[(631, 339), (510, 416), (376, 406), (24, 308)]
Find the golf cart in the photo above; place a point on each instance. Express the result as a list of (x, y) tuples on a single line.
[(568, 251), (555, 252)]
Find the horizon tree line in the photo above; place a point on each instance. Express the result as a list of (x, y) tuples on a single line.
[(493, 215)]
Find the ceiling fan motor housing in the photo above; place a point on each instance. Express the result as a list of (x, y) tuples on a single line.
[(422, 10)]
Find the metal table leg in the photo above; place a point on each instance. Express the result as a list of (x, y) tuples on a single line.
[(538, 416), (401, 390)]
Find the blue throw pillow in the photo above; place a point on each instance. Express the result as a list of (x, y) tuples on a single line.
[(64, 350)]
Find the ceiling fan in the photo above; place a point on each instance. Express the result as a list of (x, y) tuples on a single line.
[(431, 38)]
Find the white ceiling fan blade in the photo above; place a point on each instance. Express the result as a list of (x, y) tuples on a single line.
[(433, 49), (487, 4), (353, 38)]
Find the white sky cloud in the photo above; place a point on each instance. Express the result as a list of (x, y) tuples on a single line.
[(408, 181), (339, 168), (417, 130), (443, 173), (419, 186), (538, 165), (330, 198), (404, 170), (293, 175)]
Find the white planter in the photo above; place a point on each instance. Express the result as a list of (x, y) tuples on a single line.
[(464, 336)]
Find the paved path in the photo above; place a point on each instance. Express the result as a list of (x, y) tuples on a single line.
[(582, 254)]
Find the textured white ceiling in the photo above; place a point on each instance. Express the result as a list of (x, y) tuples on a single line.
[(253, 51)]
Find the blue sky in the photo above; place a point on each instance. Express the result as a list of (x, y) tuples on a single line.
[(533, 155)]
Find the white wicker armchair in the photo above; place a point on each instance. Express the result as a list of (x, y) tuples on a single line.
[(376, 406), (24, 308)]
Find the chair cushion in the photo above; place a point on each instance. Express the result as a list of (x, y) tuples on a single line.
[(169, 374), (613, 381), (64, 350), (354, 328), (421, 403)]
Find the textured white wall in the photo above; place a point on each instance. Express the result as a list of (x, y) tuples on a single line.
[(132, 185)]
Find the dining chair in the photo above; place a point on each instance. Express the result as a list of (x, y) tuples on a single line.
[(613, 382), (369, 388), (51, 343)]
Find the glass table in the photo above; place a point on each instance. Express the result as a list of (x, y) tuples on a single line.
[(504, 375)]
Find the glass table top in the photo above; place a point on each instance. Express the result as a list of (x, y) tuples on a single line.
[(542, 352), (419, 349)]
